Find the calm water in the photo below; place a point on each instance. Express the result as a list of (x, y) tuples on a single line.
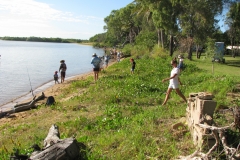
[(26, 64)]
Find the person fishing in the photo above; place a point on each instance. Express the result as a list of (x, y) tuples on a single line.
[(63, 68)]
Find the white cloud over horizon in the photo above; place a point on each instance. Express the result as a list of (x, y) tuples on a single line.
[(30, 18)]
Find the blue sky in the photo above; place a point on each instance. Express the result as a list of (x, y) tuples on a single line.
[(80, 19)]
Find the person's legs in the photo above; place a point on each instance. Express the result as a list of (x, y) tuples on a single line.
[(181, 95), (167, 95), (63, 76), (95, 75)]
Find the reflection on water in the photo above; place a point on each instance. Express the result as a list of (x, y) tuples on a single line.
[(26, 65)]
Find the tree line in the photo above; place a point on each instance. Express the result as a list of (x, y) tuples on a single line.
[(43, 39), (185, 25)]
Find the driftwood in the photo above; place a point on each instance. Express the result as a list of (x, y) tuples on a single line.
[(55, 148), (23, 106), (52, 137), (28, 105), (66, 149), (218, 133)]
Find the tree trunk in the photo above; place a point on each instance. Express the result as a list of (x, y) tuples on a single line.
[(190, 49), (159, 38), (162, 40), (197, 51), (190, 53), (171, 45)]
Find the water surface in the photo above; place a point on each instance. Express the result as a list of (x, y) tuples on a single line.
[(29, 65)]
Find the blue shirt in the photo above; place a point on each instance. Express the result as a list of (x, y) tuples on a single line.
[(96, 62)]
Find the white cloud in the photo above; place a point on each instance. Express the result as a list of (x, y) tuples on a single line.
[(31, 18)]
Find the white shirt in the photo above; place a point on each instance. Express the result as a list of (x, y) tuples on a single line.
[(174, 81)]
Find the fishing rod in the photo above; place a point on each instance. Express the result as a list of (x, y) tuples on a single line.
[(30, 83)]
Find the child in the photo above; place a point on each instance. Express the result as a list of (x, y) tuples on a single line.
[(56, 77), (133, 65), (174, 82)]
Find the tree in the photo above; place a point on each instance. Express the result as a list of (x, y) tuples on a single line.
[(233, 22), (197, 19), (163, 14), (123, 24)]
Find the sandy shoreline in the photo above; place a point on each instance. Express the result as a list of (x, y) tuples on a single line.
[(49, 89)]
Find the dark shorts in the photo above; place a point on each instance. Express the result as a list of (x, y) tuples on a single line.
[(180, 66), (96, 69), (63, 74)]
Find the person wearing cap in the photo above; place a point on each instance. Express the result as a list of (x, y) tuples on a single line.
[(180, 65), (63, 68), (56, 77), (96, 65)]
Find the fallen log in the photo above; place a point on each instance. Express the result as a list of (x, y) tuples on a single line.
[(23, 106), (28, 105), (66, 149), (55, 148)]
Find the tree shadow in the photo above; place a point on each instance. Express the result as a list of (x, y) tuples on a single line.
[(234, 63)]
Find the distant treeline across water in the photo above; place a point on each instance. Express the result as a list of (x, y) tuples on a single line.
[(43, 39)]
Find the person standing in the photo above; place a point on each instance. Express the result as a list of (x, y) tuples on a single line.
[(174, 82), (133, 65), (106, 59), (63, 68), (56, 77), (180, 65), (118, 56), (96, 65)]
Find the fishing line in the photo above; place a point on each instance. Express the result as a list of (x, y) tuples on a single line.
[(30, 83)]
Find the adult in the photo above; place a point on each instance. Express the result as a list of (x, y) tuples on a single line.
[(118, 56), (96, 65), (62, 70), (174, 82), (180, 64), (106, 60)]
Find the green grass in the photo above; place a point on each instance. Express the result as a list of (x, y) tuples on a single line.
[(120, 116), (230, 67)]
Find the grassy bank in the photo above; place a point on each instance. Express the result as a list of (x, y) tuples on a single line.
[(120, 116)]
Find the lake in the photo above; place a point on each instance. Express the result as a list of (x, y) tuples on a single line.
[(26, 65)]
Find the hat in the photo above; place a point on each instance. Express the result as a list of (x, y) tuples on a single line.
[(179, 56), (94, 55), (62, 61)]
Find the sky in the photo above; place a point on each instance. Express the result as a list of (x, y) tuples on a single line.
[(78, 19)]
